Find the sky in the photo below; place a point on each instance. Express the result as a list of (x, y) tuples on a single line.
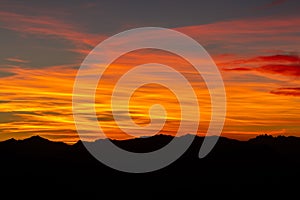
[(255, 45)]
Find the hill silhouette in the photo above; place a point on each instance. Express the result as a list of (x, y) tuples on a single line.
[(264, 159)]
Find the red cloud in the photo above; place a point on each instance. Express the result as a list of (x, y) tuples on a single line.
[(246, 30), (273, 3), (286, 70), (279, 58), (287, 91), (44, 26), (238, 69), (287, 65)]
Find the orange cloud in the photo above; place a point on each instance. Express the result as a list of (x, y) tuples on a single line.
[(151, 94), (40, 100)]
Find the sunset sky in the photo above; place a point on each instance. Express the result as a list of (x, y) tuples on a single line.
[(255, 44)]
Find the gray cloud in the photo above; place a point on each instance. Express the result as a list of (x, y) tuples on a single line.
[(7, 117), (6, 74)]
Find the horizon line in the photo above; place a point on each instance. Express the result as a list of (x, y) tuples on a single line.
[(145, 137)]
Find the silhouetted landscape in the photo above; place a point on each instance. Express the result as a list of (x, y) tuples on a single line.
[(264, 159)]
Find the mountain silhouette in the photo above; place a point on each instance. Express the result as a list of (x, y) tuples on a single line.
[(264, 159)]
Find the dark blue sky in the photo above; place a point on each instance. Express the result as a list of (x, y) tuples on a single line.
[(110, 17)]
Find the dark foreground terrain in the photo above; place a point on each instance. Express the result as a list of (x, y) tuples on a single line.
[(39, 163)]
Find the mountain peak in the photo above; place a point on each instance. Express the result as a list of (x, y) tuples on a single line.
[(36, 139)]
